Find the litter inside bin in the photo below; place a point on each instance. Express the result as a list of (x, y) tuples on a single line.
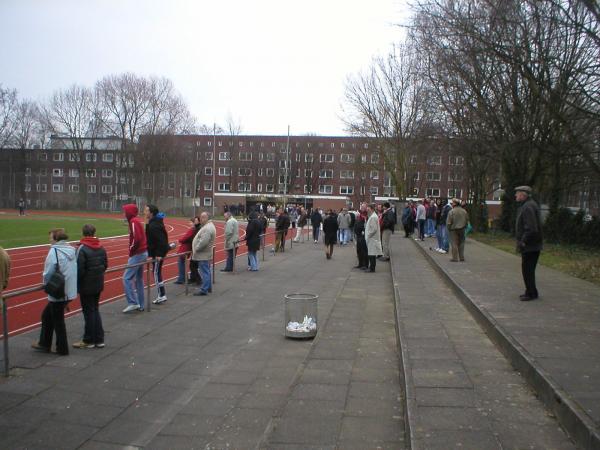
[(307, 325)]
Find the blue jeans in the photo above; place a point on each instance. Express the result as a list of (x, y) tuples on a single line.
[(252, 260), (438, 235), (229, 263), (430, 230), (316, 233), (344, 235), (181, 269), (204, 271), (133, 280), (445, 238)]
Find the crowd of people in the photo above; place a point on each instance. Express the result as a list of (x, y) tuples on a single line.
[(81, 267)]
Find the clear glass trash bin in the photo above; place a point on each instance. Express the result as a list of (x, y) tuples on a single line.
[(300, 315)]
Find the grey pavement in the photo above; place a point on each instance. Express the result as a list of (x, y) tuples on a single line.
[(461, 391), (553, 341), (216, 371)]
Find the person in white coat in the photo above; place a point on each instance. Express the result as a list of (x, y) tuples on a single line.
[(232, 237), (373, 237)]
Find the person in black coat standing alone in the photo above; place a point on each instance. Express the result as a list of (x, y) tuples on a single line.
[(315, 220), (361, 242), (330, 229), (529, 239), (92, 262), (253, 232)]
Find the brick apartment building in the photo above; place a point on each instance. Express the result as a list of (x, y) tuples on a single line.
[(183, 174)]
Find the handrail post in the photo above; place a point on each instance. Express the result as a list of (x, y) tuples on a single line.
[(148, 302), (291, 240), (213, 265), (5, 333), (185, 273), (264, 238)]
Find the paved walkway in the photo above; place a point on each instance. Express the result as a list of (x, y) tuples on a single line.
[(461, 391), (554, 341), (216, 371)]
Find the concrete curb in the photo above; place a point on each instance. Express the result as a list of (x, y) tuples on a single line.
[(576, 422), (410, 400)]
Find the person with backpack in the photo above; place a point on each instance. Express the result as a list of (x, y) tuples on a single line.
[(158, 246), (92, 263), (60, 281)]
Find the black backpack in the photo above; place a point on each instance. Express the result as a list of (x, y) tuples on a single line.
[(55, 286)]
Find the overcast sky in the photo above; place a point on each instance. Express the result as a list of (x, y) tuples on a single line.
[(268, 63)]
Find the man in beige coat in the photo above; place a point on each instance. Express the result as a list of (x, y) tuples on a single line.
[(4, 269), (202, 252), (456, 223), (232, 237), (373, 237)]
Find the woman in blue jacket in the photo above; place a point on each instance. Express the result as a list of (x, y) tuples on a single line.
[(53, 316)]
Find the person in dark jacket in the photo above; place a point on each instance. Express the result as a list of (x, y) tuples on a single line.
[(281, 228), (315, 220), (407, 220), (264, 224), (361, 242), (253, 232), (92, 262), (330, 229), (158, 246), (528, 233)]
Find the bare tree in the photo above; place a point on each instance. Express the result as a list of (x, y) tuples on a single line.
[(8, 107), (27, 124)]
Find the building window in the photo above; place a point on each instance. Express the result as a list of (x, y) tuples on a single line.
[(224, 187), (346, 190), (208, 171), (224, 156), (454, 193), (374, 174), (270, 172), (43, 172), (346, 158), (41, 187), (57, 173), (298, 157), (105, 205), (106, 189), (208, 156), (432, 192), (27, 187), (261, 156), (326, 173), (309, 157), (413, 159), (74, 173), (92, 188), (374, 157), (346, 173), (271, 157), (326, 157), (456, 160), (307, 188), (433, 176), (43, 156), (74, 157), (107, 157), (366, 146), (58, 156), (308, 173), (283, 164), (244, 172), (416, 176), (90, 173), (208, 186), (415, 192), (224, 171), (57, 188), (434, 160), (270, 188), (325, 189), (27, 171), (373, 190), (259, 187), (107, 173), (207, 201), (245, 156), (91, 157), (74, 188), (244, 187), (453, 176)]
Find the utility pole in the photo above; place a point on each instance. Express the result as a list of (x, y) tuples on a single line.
[(287, 169), (214, 187)]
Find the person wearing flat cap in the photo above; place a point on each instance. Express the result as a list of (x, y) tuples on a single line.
[(529, 237)]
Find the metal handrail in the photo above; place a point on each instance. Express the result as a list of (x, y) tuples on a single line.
[(15, 293)]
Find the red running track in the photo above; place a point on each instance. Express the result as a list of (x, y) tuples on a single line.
[(24, 311)]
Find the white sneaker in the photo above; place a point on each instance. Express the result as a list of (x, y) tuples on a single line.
[(130, 308), (159, 300), (443, 251)]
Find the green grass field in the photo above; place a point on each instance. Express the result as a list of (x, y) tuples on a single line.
[(18, 231), (577, 261)]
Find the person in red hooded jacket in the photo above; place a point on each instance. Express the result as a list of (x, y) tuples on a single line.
[(133, 278)]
